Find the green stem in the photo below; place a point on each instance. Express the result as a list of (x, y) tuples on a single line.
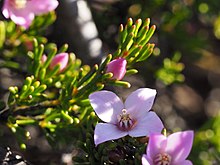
[(10, 65)]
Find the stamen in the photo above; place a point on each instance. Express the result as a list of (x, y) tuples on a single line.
[(18, 4), (162, 159), (124, 121)]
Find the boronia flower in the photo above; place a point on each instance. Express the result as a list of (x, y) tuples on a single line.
[(61, 59), (22, 12), (132, 118), (171, 150), (117, 67)]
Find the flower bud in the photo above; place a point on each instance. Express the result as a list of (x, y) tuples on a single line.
[(117, 67), (60, 59), (43, 58)]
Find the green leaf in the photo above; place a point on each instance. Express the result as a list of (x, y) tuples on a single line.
[(2, 33)]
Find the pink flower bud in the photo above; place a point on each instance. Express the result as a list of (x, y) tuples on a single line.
[(43, 58), (61, 59), (118, 68)]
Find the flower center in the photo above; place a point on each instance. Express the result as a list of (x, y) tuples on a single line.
[(162, 159), (125, 122), (18, 4)]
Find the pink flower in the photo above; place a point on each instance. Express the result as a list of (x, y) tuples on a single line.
[(118, 68), (171, 150), (61, 59), (132, 118), (22, 12)]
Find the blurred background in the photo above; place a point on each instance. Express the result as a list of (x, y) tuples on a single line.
[(184, 67)]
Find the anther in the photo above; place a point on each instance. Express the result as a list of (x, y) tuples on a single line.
[(18, 4), (162, 159), (124, 121)]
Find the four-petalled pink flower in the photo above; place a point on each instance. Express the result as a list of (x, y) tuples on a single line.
[(22, 12), (117, 67), (132, 118), (171, 150)]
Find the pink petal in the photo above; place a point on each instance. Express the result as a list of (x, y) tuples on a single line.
[(22, 17), (157, 144), (179, 145), (42, 6), (5, 9), (44, 58), (147, 124), (105, 132), (61, 59), (107, 105), (140, 101), (118, 68), (145, 160), (185, 162)]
